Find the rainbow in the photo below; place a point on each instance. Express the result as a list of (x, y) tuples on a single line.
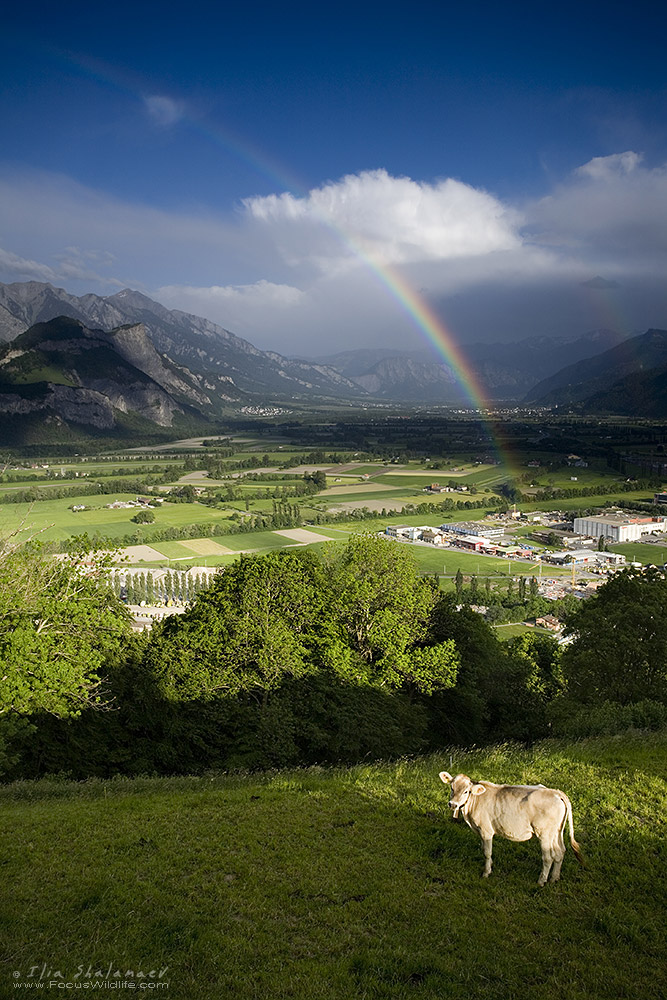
[(420, 313), (411, 303)]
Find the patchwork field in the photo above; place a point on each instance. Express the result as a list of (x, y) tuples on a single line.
[(391, 502), (432, 475), (301, 535), (204, 547), (352, 489), (141, 553)]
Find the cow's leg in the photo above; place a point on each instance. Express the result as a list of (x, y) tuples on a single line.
[(555, 871), (558, 851), (487, 843), (547, 860)]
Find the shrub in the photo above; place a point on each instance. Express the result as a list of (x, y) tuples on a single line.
[(610, 719)]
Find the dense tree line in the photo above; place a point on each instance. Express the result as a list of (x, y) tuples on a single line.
[(34, 494), (295, 658), (171, 586)]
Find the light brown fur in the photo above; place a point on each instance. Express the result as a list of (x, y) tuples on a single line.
[(515, 812)]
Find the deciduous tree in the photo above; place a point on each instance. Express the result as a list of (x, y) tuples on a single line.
[(619, 648), (59, 621)]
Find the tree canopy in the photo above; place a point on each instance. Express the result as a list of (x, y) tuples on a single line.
[(254, 627), (59, 622), (619, 647)]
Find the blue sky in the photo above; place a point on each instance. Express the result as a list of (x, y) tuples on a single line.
[(258, 164)]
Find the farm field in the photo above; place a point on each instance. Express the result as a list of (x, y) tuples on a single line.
[(330, 884), (227, 548), (446, 562), (354, 489), (642, 552), (596, 500), (391, 486), (55, 521)]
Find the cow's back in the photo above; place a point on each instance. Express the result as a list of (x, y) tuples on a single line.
[(518, 811)]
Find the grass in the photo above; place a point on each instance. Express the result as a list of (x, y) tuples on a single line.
[(515, 629), (343, 883), (448, 561), (641, 552), (600, 500), (56, 521)]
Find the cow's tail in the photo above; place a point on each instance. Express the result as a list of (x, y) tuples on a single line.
[(568, 816)]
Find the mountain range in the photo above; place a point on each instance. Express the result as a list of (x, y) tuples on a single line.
[(61, 377), (124, 363), (590, 379), (505, 371), (234, 368)]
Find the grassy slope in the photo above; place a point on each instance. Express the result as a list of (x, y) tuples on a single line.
[(340, 884)]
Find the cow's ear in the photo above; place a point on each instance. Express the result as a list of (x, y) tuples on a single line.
[(446, 777), (477, 790)]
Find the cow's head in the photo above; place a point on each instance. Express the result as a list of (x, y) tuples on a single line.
[(462, 788)]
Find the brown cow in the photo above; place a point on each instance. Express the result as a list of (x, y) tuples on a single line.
[(515, 812)]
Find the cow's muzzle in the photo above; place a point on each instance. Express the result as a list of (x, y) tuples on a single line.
[(457, 806)]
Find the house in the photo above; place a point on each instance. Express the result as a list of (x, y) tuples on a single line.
[(403, 531), (473, 543), (577, 556), (473, 528), (548, 621), (609, 558), (433, 536)]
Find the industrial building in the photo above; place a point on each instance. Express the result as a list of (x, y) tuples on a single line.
[(619, 527), (474, 528)]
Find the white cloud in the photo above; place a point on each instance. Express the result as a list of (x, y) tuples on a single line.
[(266, 292), (393, 220), (602, 168), (613, 209), (300, 274), (243, 308), (69, 264), (75, 231), (164, 111), (15, 267)]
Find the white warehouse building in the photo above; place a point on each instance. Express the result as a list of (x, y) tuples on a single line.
[(618, 527)]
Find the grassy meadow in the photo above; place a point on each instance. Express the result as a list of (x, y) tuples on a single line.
[(54, 520), (342, 883)]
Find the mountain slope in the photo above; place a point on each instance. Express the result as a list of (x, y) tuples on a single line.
[(411, 381), (641, 394), (193, 342), (61, 373), (577, 382), (506, 371)]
